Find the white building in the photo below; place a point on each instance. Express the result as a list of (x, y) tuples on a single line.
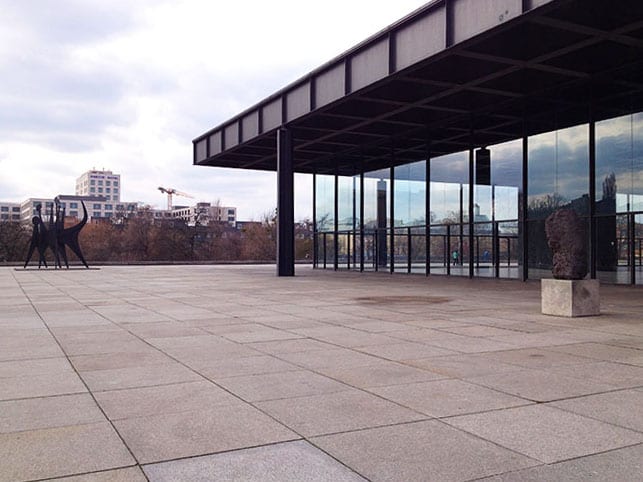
[(205, 214), (100, 183), (9, 211)]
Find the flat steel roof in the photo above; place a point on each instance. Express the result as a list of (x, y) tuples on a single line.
[(453, 75)]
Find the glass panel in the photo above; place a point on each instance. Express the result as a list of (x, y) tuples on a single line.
[(418, 250), (377, 188), (401, 249), (410, 194), (439, 250), (619, 164), (346, 200), (325, 202), (449, 191), (558, 177)]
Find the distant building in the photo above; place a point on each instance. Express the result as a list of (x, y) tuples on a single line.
[(99, 183), (9, 211), (204, 213)]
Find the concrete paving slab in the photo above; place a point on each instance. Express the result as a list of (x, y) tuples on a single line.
[(105, 361), (333, 358), (57, 452), (614, 466), (162, 329), (462, 366), (444, 398), (422, 451), (251, 365), (540, 385), (28, 368), (618, 375), (58, 383), (546, 433), (49, 412), (130, 474), (204, 356), (343, 336), (337, 412), (284, 462), (187, 434), (604, 352), (261, 333), (405, 351), (274, 386), (382, 374), (452, 342), (535, 358), (290, 346), (131, 377), (146, 401), (623, 408), (28, 351)]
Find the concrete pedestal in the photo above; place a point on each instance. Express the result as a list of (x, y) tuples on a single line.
[(570, 298)]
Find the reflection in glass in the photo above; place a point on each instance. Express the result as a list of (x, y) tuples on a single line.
[(410, 194), (325, 202), (558, 177)]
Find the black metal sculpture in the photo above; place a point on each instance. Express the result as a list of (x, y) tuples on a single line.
[(55, 236)]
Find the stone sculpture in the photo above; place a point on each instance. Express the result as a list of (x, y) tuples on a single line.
[(566, 238), (55, 236)]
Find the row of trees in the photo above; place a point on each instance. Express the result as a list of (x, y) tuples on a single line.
[(143, 239)]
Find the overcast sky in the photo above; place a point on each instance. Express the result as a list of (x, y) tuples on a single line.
[(125, 85)]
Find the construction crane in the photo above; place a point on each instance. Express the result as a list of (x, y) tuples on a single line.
[(170, 191)]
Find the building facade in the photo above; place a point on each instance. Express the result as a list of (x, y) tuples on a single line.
[(440, 144), (204, 213), (9, 211), (100, 183)]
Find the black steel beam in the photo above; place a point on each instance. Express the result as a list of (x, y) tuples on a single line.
[(285, 204)]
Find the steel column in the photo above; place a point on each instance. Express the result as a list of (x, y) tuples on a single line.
[(592, 199), (315, 241), (471, 210), (285, 204), (522, 200)]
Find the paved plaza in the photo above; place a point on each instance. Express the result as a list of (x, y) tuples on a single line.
[(230, 373)]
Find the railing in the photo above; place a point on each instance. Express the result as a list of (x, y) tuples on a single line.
[(409, 249)]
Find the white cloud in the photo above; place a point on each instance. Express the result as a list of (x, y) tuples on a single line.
[(125, 86)]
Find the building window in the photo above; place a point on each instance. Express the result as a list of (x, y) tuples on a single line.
[(108, 215), (4, 209), (115, 190), (73, 205), (108, 183), (73, 213), (4, 216), (92, 189), (100, 182), (108, 190), (97, 207), (96, 214), (100, 189), (108, 207), (230, 212), (15, 209), (115, 183), (92, 182)]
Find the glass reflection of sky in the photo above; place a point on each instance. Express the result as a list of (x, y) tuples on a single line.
[(619, 151)]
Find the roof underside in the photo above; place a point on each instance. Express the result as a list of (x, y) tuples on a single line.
[(454, 75)]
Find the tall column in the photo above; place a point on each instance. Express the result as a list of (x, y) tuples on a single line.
[(285, 204)]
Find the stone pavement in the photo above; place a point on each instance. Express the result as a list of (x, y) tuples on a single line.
[(230, 373)]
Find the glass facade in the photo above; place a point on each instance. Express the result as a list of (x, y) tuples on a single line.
[(383, 223)]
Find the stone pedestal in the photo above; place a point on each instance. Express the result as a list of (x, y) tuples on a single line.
[(571, 298)]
